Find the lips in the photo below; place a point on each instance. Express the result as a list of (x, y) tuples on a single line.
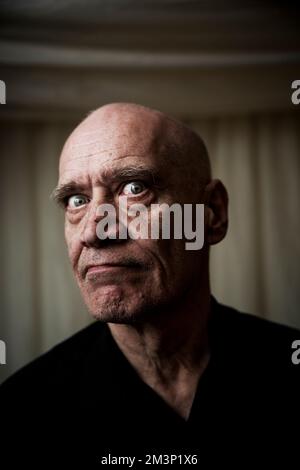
[(107, 267), (101, 268)]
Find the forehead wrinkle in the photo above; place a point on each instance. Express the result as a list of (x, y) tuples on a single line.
[(106, 167), (97, 154), (92, 153), (148, 146), (103, 164), (75, 141), (80, 144), (94, 148)]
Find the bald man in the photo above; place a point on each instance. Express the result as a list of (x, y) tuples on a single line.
[(165, 370)]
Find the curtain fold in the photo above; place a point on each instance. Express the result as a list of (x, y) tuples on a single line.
[(256, 268)]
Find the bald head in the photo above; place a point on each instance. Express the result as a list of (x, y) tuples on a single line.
[(149, 129)]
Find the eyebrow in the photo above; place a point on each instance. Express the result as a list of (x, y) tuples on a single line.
[(62, 191)]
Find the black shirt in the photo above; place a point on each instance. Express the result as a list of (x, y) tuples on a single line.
[(83, 401)]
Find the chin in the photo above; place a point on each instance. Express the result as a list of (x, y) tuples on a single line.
[(117, 315), (113, 308), (121, 304), (122, 312)]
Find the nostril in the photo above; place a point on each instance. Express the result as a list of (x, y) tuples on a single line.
[(88, 235)]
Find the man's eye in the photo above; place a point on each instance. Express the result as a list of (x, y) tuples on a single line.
[(77, 200), (134, 188)]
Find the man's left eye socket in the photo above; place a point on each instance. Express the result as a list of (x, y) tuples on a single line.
[(135, 187), (77, 201)]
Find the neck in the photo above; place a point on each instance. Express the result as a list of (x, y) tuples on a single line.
[(170, 351)]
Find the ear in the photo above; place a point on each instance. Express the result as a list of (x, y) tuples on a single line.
[(216, 210)]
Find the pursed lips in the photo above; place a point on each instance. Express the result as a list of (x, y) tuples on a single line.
[(109, 266)]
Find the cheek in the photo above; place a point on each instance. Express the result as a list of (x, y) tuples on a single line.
[(181, 265), (73, 244), (168, 258)]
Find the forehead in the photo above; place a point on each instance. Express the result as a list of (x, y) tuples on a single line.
[(90, 151)]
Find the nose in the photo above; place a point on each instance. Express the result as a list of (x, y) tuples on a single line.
[(89, 236)]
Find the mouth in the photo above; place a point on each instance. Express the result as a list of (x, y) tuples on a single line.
[(109, 268)]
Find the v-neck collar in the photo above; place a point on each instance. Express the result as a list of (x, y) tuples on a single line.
[(109, 375)]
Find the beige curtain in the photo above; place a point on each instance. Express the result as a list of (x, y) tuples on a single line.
[(40, 303), (256, 268)]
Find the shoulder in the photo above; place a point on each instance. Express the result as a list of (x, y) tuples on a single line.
[(254, 340), (254, 327), (56, 364)]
